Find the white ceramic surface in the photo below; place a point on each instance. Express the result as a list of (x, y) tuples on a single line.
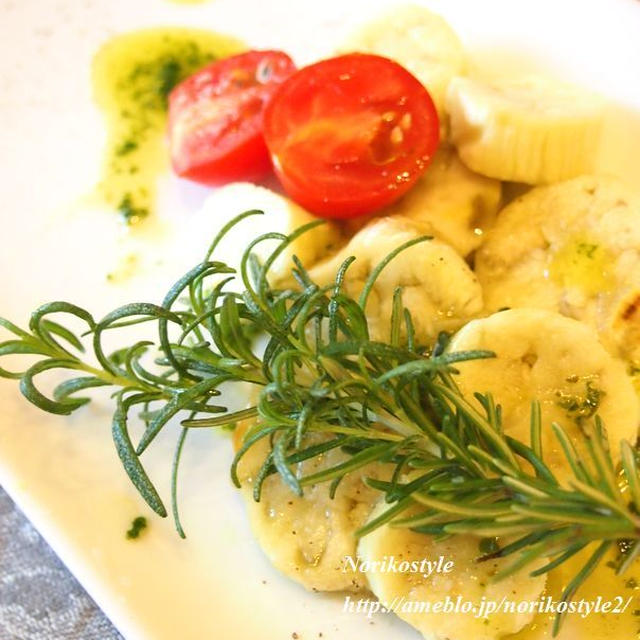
[(64, 472)]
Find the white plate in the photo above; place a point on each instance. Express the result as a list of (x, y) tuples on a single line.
[(64, 473)]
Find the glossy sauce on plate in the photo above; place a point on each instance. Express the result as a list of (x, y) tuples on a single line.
[(132, 77)]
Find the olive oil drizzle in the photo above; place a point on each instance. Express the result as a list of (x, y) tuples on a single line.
[(133, 75)]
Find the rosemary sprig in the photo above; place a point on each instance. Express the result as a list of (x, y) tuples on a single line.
[(318, 371)]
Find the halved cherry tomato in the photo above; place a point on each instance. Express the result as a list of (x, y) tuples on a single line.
[(215, 117), (351, 134)]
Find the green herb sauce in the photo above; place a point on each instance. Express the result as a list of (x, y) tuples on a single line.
[(133, 75), (138, 525), (580, 405), (584, 265)]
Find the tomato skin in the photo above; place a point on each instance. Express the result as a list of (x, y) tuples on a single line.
[(351, 134), (215, 117)]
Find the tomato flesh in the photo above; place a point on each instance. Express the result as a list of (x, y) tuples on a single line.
[(351, 134), (215, 117)]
